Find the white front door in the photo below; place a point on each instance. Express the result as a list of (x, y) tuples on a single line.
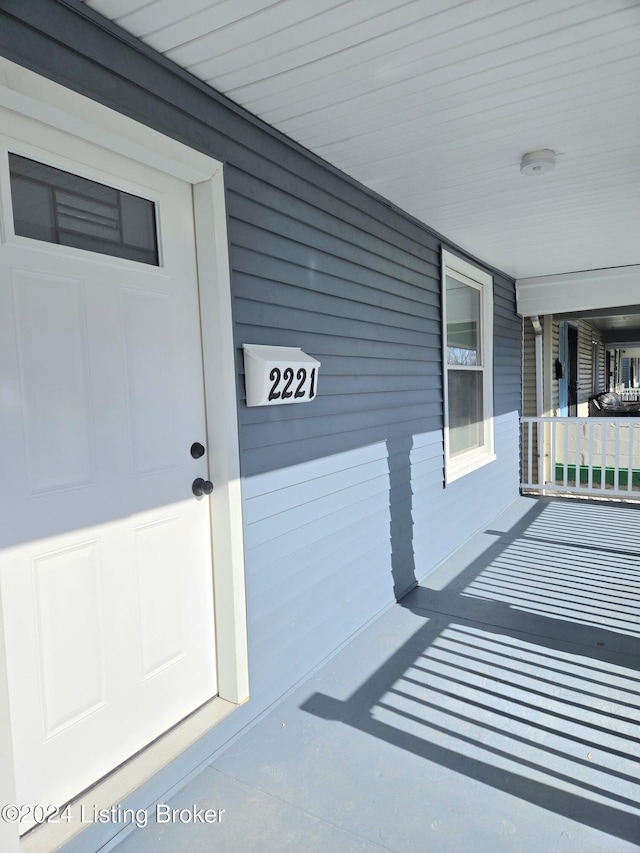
[(105, 554)]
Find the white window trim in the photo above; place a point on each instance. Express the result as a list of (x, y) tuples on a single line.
[(465, 463), (26, 94)]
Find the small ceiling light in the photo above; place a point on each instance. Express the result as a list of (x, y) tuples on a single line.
[(538, 162)]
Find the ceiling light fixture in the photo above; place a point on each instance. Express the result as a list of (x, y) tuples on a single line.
[(538, 162)]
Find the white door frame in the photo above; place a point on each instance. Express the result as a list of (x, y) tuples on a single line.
[(26, 93)]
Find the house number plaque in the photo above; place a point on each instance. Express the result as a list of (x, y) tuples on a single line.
[(279, 375)]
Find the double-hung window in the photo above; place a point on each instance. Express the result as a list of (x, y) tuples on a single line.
[(467, 322)]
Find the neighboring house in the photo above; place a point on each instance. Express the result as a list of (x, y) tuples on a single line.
[(151, 228), (578, 346), (576, 359)]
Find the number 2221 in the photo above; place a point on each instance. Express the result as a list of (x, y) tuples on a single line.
[(287, 391)]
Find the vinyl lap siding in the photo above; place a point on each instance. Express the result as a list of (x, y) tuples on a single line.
[(325, 291), (319, 577), (587, 335), (328, 485)]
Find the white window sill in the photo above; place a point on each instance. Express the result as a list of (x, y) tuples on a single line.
[(466, 463)]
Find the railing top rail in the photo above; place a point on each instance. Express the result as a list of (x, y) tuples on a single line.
[(624, 419)]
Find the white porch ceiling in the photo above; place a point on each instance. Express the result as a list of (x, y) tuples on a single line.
[(432, 104)]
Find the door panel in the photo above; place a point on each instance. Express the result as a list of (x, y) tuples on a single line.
[(146, 327), (67, 632), (54, 381), (105, 559)]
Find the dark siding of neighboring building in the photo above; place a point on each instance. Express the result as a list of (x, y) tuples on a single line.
[(344, 504), (587, 336)]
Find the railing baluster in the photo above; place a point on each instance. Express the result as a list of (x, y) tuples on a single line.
[(616, 457), (590, 468), (630, 438), (603, 460), (530, 453), (540, 447), (632, 461)]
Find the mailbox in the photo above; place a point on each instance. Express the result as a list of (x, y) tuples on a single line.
[(279, 375)]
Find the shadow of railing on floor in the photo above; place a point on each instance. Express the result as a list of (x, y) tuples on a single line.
[(535, 695)]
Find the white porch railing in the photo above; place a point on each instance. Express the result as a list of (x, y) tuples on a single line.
[(584, 456), (630, 395)]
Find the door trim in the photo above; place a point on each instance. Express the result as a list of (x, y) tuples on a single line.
[(26, 93)]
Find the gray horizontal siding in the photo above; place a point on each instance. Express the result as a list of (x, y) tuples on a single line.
[(587, 335), (344, 503), (259, 203), (368, 309)]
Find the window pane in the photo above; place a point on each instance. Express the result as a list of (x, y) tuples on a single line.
[(466, 427), (32, 210), (58, 207), (87, 216), (463, 323), (138, 228)]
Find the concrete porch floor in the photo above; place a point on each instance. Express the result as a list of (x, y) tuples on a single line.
[(495, 709)]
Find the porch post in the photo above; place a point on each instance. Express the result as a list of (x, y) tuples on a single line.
[(537, 330)]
